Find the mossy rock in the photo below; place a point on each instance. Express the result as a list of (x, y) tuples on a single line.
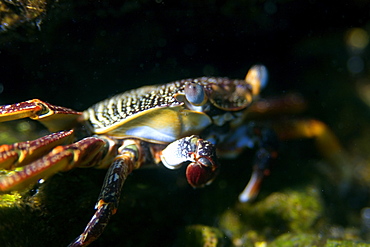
[(202, 236)]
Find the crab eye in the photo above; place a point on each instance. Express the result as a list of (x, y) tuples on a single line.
[(195, 94)]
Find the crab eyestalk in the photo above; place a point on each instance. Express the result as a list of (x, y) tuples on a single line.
[(201, 153), (257, 77)]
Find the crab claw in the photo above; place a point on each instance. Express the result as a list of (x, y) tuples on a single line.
[(201, 173), (203, 170), (202, 155)]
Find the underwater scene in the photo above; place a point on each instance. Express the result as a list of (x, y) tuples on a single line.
[(316, 174)]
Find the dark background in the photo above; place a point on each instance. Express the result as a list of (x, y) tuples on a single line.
[(90, 50), (87, 51)]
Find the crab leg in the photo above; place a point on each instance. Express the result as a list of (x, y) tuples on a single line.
[(22, 153), (62, 158), (108, 199), (128, 160), (326, 141), (201, 171), (264, 157), (251, 136), (55, 118)]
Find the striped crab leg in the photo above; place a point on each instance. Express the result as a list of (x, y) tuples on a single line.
[(132, 155), (87, 152), (25, 154), (22, 153), (55, 118)]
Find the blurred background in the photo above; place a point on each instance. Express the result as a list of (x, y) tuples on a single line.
[(76, 53)]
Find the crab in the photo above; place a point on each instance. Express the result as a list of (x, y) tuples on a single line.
[(189, 122)]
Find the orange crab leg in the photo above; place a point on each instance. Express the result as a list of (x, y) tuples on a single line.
[(22, 153), (326, 141), (277, 106), (55, 118), (86, 152)]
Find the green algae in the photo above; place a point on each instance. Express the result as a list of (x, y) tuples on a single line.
[(287, 211), (203, 236), (297, 240), (345, 243)]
